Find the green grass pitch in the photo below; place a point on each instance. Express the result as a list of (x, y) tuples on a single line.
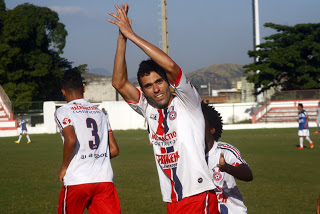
[(286, 180)]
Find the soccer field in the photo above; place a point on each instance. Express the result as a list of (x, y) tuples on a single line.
[(286, 180)]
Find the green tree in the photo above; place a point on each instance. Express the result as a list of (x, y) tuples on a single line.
[(289, 58), (31, 41)]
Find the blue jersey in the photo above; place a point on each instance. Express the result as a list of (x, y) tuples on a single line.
[(303, 119), (23, 124)]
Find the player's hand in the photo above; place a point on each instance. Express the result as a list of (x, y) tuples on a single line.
[(123, 22), (222, 163), (61, 174)]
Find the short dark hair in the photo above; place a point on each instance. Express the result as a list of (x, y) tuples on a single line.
[(300, 104), (147, 66), (214, 119), (72, 81)]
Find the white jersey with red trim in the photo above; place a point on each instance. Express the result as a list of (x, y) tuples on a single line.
[(229, 197), (91, 161), (177, 135)]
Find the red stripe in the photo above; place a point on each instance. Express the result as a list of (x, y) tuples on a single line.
[(178, 78), (237, 153), (138, 99), (160, 129), (174, 196), (57, 121)]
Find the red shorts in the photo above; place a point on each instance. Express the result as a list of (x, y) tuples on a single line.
[(203, 203), (96, 197)]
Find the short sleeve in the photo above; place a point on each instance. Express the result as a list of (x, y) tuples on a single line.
[(185, 91), (108, 124), (232, 155), (141, 106), (62, 118)]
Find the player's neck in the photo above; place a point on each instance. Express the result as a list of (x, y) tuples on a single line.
[(74, 96)]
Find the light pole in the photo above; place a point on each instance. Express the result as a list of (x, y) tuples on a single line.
[(164, 21)]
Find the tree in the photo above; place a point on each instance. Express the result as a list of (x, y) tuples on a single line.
[(290, 59), (31, 41)]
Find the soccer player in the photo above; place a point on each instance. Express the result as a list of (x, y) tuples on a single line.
[(104, 111), (303, 126), (176, 123), (88, 145), (23, 125), (226, 164), (318, 118)]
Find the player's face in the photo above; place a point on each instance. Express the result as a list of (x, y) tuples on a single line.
[(299, 108), (156, 89)]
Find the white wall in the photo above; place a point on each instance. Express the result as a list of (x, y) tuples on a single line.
[(234, 112), (122, 117)]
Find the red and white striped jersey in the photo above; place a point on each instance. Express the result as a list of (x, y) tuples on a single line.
[(91, 161), (177, 135), (229, 197)]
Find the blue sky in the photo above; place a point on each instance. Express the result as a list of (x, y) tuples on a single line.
[(201, 33)]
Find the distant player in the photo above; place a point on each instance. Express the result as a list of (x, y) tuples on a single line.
[(88, 145), (176, 123), (318, 118), (226, 163), (104, 111), (303, 126), (23, 125)]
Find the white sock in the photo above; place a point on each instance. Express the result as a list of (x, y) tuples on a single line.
[(28, 138), (301, 141), (20, 138), (308, 139)]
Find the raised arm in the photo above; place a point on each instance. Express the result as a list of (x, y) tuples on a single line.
[(120, 77), (161, 58)]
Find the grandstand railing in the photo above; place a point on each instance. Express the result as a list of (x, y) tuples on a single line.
[(6, 103)]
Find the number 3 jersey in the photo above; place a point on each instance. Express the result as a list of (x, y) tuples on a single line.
[(91, 160), (229, 197), (177, 135)]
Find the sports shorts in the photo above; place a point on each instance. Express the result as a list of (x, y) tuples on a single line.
[(203, 203), (303, 133), (96, 197), (23, 132)]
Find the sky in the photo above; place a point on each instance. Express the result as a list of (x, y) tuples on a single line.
[(201, 33)]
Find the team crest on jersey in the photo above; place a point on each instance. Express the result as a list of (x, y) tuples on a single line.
[(172, 115), (217, 176), (66, 121)]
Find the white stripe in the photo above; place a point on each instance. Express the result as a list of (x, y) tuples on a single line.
[(206, 207), (65, 200)]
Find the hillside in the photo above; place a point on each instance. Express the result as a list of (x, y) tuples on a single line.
[(220, 76)]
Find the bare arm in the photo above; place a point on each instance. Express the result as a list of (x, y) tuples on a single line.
[(307, 121), (70, 141), (120, 77), (241, 172), (113, 146), (162, 59)]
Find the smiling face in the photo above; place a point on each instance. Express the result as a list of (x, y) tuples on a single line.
[(156, 89)]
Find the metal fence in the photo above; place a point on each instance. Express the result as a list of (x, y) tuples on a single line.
[(32, 113), (296, 95)]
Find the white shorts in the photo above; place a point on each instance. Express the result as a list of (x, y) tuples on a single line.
[(303, 133), (23, 132)]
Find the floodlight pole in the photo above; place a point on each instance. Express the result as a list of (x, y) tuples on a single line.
[(256, 39), (256, 26), (164, 20)]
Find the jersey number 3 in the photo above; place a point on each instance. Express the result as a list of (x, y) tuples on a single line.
[(91, 123)]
